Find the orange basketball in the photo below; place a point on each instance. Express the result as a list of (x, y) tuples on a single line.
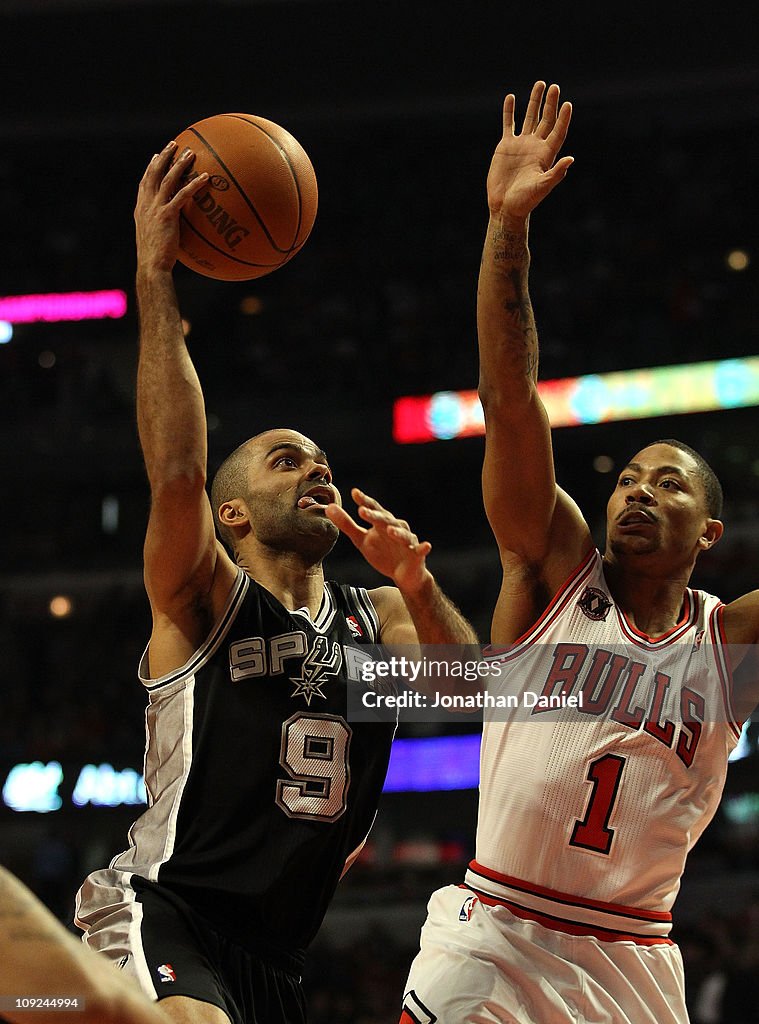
[(260, 201)]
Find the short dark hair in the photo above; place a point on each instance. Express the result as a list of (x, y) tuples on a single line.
[(707, 476), (230, 481)]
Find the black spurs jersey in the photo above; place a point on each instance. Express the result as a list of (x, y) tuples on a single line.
[(259, 788)]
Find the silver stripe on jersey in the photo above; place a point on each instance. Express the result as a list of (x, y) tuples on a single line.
[(208, 647), (167, 768), (322, 621), (365, 613)]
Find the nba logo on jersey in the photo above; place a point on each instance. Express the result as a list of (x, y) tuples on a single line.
[(353, 625), (166, 972), (465, 914), (594, 603)]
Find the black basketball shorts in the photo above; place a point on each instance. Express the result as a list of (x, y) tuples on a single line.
[(156, 938)]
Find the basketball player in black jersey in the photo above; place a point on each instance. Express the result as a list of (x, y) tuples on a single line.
[(261, 793)]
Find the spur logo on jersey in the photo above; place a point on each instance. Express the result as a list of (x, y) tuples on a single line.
[(259, 656), (467, 908), (323, 660), (166, 972), (594, 603), (614, 686)]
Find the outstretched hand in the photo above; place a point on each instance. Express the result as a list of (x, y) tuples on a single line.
[(160, 199), (387, 544), (524, 168)]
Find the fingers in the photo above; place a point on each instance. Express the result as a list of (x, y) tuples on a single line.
[(364, 499), (550, 107), (345, 524), (558, 172), (370, 510), (410, 540), (165, 175), (552, 123), (508, 115), (533, 108), (156, 169), (176, 174), (558, 133), (187, 191)]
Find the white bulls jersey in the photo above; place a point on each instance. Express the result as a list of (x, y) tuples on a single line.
[(587, 813)]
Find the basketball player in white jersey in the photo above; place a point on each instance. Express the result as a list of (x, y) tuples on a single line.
[(261, 792), (587, 813)]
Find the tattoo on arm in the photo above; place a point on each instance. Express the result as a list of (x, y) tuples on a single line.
[(518, 309), (506, 306), (509, 247)]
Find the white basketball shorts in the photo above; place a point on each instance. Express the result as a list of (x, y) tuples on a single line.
[(481, 964)]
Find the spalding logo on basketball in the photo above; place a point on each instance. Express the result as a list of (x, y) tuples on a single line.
[(260, 201)]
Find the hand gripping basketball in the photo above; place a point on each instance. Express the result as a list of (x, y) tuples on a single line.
[(260, 201)]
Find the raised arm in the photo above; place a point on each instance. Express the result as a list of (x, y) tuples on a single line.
[(539, 530), (187, 572)]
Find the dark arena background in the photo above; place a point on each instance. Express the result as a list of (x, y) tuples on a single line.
[(645, 257)]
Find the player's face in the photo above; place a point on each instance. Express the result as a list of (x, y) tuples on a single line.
[(658, 506), (290, 485)]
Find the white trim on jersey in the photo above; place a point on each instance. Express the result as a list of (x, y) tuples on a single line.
[(209, 646)]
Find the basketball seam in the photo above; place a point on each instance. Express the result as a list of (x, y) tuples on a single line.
[(244, 195), (285, 156)]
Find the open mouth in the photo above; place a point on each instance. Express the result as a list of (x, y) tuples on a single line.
[(636, 517), (316, 497)]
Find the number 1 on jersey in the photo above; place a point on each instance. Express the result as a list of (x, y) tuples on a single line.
[(593, 832)]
